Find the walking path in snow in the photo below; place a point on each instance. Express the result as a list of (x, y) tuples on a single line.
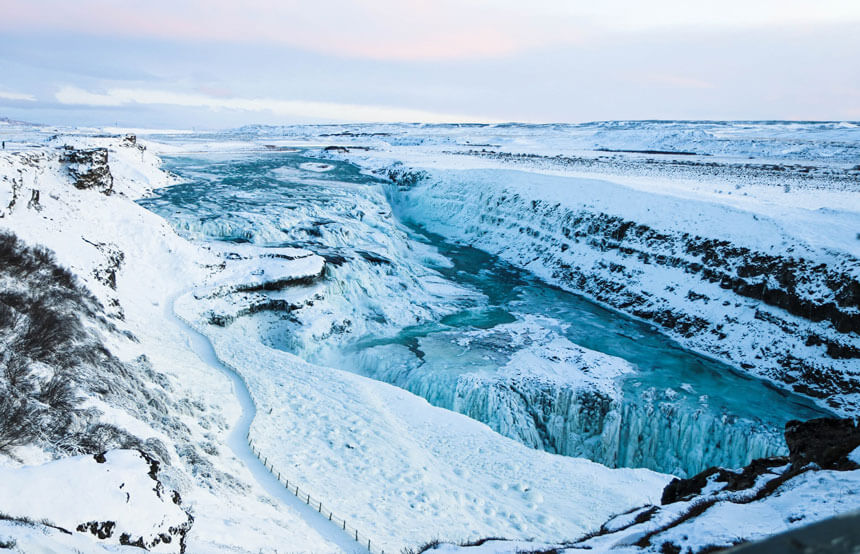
[(237, 441)]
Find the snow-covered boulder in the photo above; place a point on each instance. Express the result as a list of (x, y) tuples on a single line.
[(115, 497)]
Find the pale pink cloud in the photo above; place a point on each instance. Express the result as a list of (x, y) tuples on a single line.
[(415, 29), (385, 29)]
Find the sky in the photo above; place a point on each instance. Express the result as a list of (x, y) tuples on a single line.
[(220, 63)]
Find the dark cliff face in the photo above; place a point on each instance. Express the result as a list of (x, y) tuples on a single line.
[(827, 295), (89, 168), (816, 292), (825, 442), (818, 445)]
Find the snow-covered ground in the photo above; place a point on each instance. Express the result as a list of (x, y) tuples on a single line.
[(684, 225), (112, 495)]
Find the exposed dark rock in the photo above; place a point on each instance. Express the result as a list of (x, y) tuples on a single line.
[(825, 442), (663, 152), (685, 489), (89, 168), (279, 284), (373, 258), (127, 540), (682, 489), (338, 149), (33, 204), (670, 548), (101, 529), (746, 478), (219, 320)]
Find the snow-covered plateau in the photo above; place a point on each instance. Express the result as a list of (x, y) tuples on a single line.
[(451, 332)]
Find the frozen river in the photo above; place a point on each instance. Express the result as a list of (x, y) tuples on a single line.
[(470, 332)]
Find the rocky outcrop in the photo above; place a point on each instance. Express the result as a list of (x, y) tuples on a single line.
[(114, 497), (88, 168), (684, 489), (169, 534), (824, 442), (709, 513)]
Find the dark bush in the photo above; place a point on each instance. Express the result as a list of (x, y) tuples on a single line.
[(17, 421), (41, 306)]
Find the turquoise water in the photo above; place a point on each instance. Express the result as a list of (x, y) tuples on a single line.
[(660, 361), (677, 412)]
